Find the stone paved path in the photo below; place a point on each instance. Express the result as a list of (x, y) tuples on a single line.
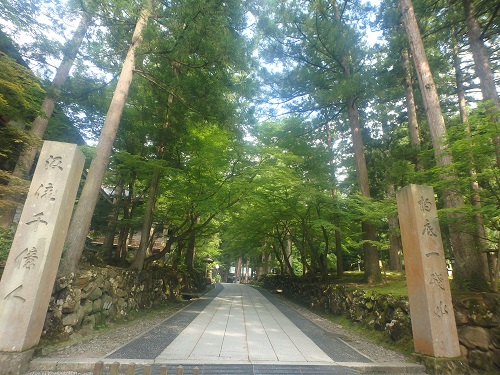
[(236, 329)]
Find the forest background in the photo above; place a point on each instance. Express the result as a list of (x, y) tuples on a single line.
[(269, 133)]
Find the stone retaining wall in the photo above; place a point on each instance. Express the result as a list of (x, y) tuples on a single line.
[(477, 315), (97, 295)]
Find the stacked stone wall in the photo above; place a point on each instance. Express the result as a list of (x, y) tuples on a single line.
[(477, 316), (97, 295)]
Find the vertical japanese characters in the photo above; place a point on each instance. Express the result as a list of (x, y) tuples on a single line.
[(34, 257), (431, 310)]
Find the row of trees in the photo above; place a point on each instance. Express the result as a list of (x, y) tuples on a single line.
[(329, 74), (171, 86)]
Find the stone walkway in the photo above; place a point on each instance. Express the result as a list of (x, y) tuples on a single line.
[(236, 329)]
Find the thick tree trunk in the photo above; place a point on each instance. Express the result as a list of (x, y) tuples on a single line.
[(247, 271), (83, 215), (266, 258), (370, 251), (39, 125), (239, 266), (147, 222), (372, 271), (482, 66), (287, 268), (411, 108), (177, 254), (468, 272), (475, 197), (190, 251), (480, 55)]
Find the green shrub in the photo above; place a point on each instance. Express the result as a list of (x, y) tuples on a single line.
[(6, 238)]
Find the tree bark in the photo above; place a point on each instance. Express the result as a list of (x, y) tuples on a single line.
[(475, 197), (109, 239), (190, 251), (480, 55), (83, 215), (462, 102), (370, 251), (323, 257), (411, 108), (140, 255), (396, 247), (468, 267), (482, 66), (39, 125), (333, 176), (239, 266), (246, 270)]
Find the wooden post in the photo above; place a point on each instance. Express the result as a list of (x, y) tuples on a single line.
[(98, 368), (131, 369), (115, 368)]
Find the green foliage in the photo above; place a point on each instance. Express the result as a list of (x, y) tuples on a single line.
[(192, 101), (476, 152), (12, 140), (20, 91), (6, 238)]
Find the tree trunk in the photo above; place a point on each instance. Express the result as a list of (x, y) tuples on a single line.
[(462, 102), (246, 271), (475, 197), (288, 252), (83, 215), (468, 272), (279, 258), (39, 125), (396, 247), (147, 222), (265, 263), (482, 65), (177, 254), (190, 251), (239, 266), (109, 239), (370, 251), (333, 176), (323, 257), (411, 108), (339, 253), (480, 55)]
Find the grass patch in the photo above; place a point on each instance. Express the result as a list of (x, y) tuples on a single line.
[(393, 283), (404, 346)]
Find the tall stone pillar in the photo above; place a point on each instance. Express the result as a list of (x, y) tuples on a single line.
[(431, 310), (31, 268)]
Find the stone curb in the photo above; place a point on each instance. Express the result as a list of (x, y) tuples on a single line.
[(87, 365)]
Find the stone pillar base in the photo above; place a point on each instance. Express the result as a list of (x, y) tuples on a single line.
[(15, 363), (443, 366)]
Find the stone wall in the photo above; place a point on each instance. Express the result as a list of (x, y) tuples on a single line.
[(97, 295), (477, 316)]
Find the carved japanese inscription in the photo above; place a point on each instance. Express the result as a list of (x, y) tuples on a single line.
[(431, 309), (31, 267)]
